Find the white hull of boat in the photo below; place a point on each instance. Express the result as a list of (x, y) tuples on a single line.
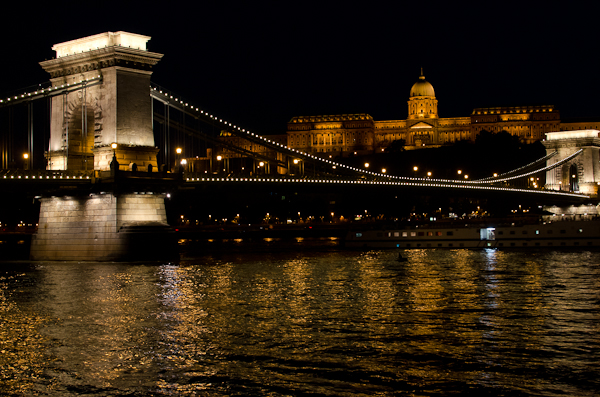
[(555, 234)]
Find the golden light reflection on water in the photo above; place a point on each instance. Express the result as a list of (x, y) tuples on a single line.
[(22, 361), (287, 323)]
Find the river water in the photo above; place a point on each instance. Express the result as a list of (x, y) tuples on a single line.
[(304, 318)]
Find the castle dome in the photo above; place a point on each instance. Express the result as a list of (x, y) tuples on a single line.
[(422, 87)]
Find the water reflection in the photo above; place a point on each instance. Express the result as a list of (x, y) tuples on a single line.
[(284, 322)]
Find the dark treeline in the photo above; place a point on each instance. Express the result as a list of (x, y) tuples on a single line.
[(490, 153)]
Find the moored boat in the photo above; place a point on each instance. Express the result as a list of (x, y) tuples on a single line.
[(585, 233)]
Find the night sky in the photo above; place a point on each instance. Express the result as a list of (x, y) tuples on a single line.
[(260, 64)]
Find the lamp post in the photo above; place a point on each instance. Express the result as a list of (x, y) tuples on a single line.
[(178, 151), (219, 168), (415, 169), (26, 162), (114, 164)]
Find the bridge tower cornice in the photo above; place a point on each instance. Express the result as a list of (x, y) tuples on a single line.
[(137, 60)]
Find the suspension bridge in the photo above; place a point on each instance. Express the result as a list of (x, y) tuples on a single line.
[(105, 127)]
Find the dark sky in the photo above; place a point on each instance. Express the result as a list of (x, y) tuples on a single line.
[(259, 64)]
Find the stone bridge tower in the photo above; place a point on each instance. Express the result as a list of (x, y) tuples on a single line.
[(110, 103), (118, 109), (582, 173)]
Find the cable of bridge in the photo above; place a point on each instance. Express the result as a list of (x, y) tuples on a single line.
[(50, 91), (166, 97), (546, 168), (532, 164)]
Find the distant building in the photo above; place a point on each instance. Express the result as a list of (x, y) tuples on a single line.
[(342, 134)]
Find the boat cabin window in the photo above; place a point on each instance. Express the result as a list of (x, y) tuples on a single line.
[(358, 235), (487, 234), (450, 233), (404, 234), (396, 234), (413, 234)]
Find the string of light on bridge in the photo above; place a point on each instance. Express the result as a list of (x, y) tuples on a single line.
[(333, 164), (51, 90), (429, 183)]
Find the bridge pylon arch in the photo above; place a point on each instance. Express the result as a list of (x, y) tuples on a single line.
[(582, 173)]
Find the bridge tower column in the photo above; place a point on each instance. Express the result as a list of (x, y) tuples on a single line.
[(118, 109), (582, 173)]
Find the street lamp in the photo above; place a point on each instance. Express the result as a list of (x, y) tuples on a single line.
[(114, 164), (415, 169), (178, 151), (26, 158)]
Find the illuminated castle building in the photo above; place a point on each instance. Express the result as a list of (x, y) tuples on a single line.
[(342, 134)]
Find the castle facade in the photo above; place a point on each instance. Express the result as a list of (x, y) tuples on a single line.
[(344, 134)]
